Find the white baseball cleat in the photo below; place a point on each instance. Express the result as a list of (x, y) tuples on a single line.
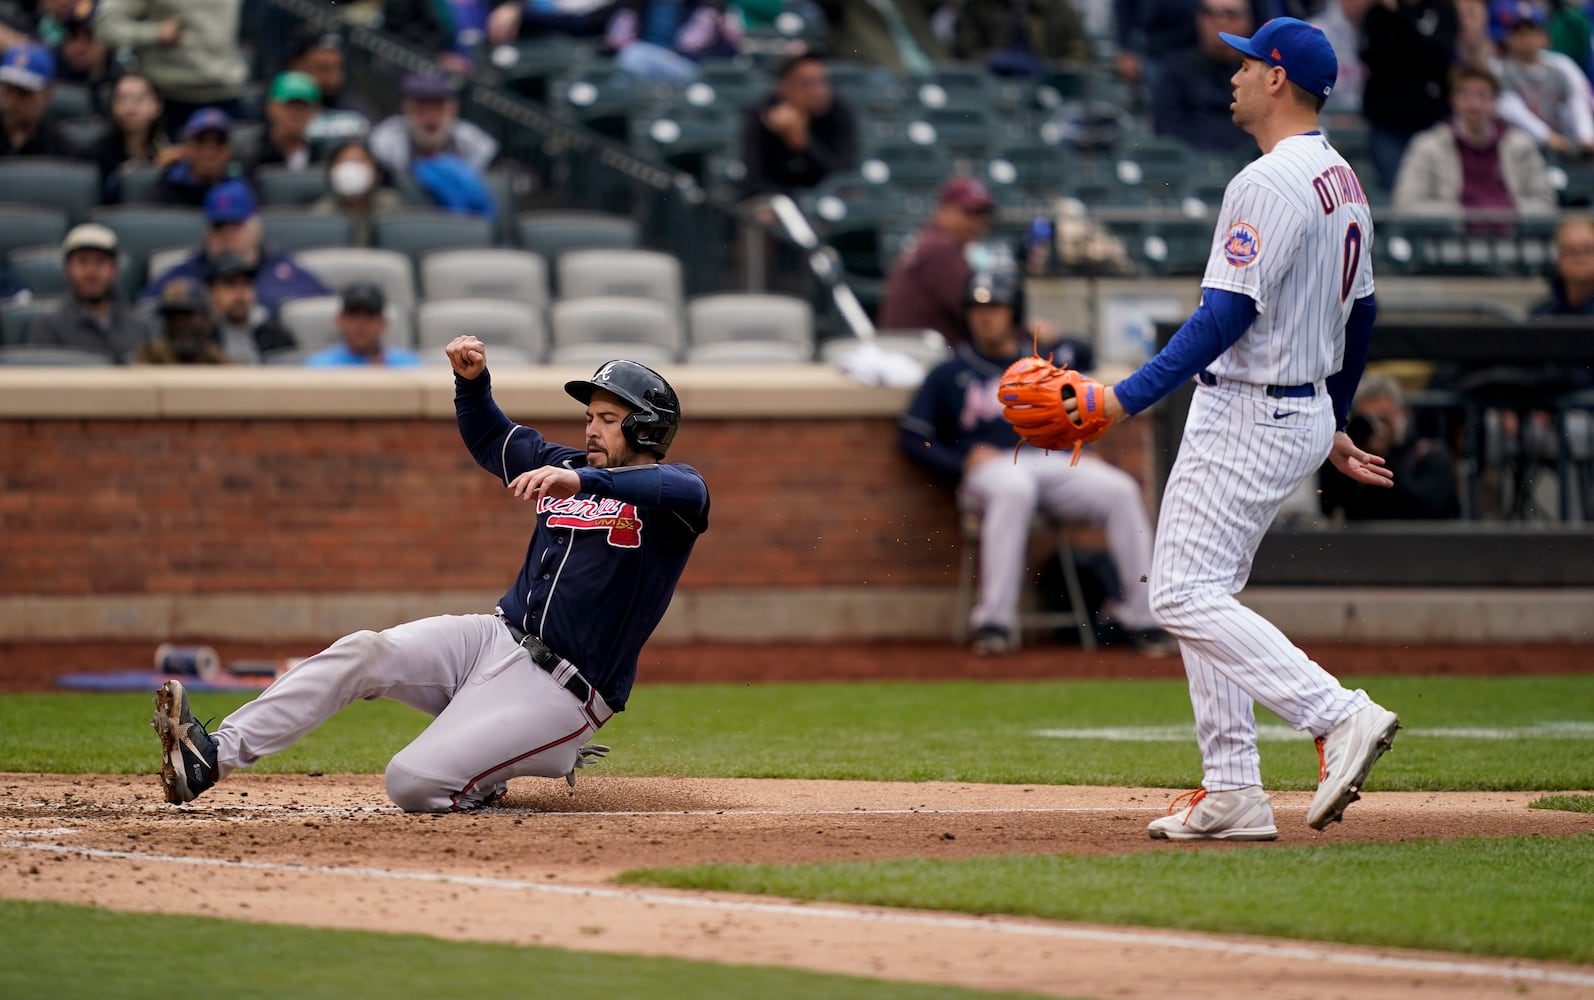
[(1345, 756), (1237, 814)]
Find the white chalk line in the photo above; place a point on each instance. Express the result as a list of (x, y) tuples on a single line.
[(219, 811), (1274, 731), (1308, 953)]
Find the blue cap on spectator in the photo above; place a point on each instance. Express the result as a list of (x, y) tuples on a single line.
[(1300, 49), (207, 120), (29, 66), (229, 201), (1506, 15)]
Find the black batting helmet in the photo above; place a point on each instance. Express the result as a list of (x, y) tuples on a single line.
[(992, 288), (655, 409)]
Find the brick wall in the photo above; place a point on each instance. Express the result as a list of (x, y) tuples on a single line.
[(214, 506)]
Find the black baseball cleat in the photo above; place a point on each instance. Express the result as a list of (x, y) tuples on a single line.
[(188, 766)]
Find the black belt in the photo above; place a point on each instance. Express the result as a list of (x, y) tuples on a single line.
[(1275, 391), (550, 661)]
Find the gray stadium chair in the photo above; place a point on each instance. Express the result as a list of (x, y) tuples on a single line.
[(593, 354), (552, 233), (38, 268), (15, 318), (278, 185), (500, 323), (163, 260), (138, 185), (30, 226), (313, 322), (340, 266), (493, 273), (642, 274), (72, 186), (927, 347), (736, 328), (417, 231), (144, 229), (292, 228), (582, 329), (27, 354)]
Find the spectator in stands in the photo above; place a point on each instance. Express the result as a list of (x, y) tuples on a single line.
[(803, 131), (79, 56), (1341, 23), (362, 321), (924, 288), (1543, 93), (187, 335), (93, 316), (666, 39), (188, 49), (450, 32), (533, 18), (1192, 98), (233, 226), (357, 188), (1022, 38), (954, 428), (1425, 475), (344, 113), (1474, 162), (895, 34), (292, 104), (135, 139), (1475, 42), (1569, 29), (1407, 46), (204, 160), (1148, 31), (429, 124), (246, 331), (1572, 284), (27, 79)]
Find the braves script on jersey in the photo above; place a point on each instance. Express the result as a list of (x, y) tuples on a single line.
[(1295, 236)]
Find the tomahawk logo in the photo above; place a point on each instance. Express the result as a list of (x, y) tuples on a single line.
[(603, 373), (592, 514)]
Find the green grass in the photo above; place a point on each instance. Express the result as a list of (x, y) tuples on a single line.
[(1524, 897), (1565, 803), (67, 952), (898, 731)]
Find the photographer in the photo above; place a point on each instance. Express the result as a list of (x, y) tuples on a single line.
[(1425, 475)]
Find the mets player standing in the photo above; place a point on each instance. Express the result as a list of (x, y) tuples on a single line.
[(513, 693), (1277, 347)]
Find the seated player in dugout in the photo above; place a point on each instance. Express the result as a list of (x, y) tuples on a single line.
[(955, 429), (518, 691)]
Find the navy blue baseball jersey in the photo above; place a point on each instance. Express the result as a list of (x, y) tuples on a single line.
[(602, 565)]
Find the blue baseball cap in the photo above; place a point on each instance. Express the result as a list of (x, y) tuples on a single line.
[(1300, 49), (229, 201), (28, 66), (207, 120)]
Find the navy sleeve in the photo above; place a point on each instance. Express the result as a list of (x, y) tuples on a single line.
[(919, 430), (498, 444), (676, 488), (1220, 320), (1358, 340)]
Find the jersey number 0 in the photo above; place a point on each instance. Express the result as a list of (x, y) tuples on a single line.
[(1352, 258)]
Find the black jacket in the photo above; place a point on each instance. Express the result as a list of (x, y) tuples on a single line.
[(1408, 52), (772, 166)]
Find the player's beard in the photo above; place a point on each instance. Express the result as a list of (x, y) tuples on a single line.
[(611, 460)]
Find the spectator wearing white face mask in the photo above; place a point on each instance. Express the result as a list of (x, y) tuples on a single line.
[(358, 189)]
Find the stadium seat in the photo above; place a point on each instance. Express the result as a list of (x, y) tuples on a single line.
[(588, 355), (645, 274), (499, 323), (278, 185), (39, 269), (493, 273), (313, 322), (292, 228), (163, 260), (69, 100), (29, 354), (15, 318), (551, 233), (83, 132), (683, 136), (906, 165), (927, 347), (744, 327), (337, 267), (138, 185), (143, 229), (70, 185), (583, 329), (416, 231), (30, 226)]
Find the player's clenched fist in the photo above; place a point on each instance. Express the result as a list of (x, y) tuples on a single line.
[(467, 356)]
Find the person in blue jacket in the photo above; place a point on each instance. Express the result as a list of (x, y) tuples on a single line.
[(518, 691)]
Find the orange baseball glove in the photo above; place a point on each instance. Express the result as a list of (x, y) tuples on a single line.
[(1033, 393)]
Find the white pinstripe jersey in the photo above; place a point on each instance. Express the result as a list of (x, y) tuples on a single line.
[(1295, 234)]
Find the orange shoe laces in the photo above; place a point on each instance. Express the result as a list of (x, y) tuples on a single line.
[(1190, 798), (1322, 762)]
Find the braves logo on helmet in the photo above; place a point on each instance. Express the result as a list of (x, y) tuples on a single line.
[(1242, 244)]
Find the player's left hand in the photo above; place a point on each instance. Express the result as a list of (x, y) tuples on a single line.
[(589, 754), (548, 481), (1359, 466)]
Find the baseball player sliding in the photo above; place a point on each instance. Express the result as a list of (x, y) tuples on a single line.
[(513, 693), (1277, 347)]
